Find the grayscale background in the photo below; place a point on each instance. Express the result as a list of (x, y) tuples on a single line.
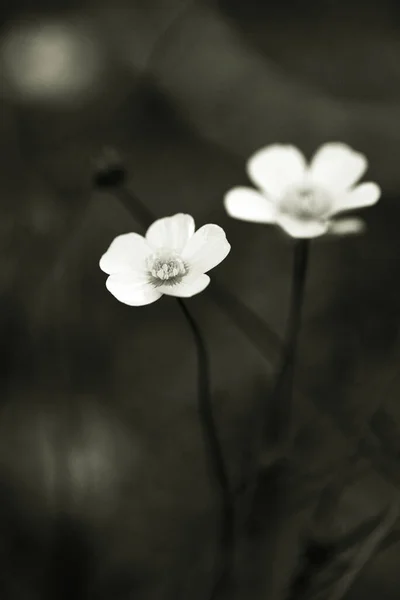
[(104, 487)]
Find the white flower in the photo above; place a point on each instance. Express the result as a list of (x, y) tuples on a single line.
[(171, 259), (301, 198)]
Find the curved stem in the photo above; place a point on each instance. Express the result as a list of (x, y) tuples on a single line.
[(145, 217), (212, 442), (282, 395)]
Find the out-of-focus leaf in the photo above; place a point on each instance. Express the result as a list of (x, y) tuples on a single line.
[(329, 575)]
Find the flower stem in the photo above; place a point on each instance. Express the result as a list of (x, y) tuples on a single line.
[(217, 462), (145, 217), (282, 395)]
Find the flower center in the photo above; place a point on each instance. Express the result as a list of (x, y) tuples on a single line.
[(166, 268), (306, 202)]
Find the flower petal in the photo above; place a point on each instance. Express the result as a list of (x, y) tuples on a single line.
[(337, 167), (189, 286), (132, 288), (366, 194), (347, 226), (127, 252), (276, 167), (299, 228), (249, 205), (206, 249), (171, 232)]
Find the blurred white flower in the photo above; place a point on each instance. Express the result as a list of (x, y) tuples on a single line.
[(171, 259), (301, 198)]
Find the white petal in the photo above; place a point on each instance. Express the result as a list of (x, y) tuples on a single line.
[(189, 286), (276, 167), (128, 252), (347, 226), (299, 228), (249, 205), (337, 167), (171, 232), (132, 288), (206, 249), (366, 194)]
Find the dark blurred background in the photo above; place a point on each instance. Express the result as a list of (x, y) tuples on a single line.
[(104, 488)]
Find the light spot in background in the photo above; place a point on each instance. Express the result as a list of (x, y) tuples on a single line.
[(99, 453), (50, 61)]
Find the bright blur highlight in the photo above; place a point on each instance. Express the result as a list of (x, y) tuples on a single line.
[(50, 61)]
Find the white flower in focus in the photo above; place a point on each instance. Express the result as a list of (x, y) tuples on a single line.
[(301, 198), (171, 259)]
